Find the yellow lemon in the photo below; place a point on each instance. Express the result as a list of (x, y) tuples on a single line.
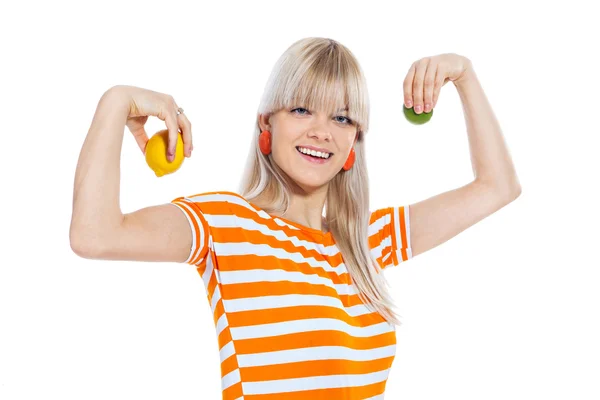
[(156, 153)]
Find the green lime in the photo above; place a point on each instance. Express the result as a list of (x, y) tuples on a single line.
[(417, 119)]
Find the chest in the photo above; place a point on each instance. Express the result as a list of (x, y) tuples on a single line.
[(303, 293)]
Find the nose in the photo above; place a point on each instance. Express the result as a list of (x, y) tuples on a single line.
[(320, 131)]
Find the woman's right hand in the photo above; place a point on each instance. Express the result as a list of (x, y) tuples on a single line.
[(143, 103)]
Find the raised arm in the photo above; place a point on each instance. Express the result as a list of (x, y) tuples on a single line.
[(441, 217), (99, 229)]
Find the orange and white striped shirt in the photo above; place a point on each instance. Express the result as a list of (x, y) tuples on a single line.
[(289, 322)]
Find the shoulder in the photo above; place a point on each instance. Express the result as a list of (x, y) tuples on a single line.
[(222, 196), (380, 216), (217, 202)]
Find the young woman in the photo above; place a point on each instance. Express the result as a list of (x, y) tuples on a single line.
[(299, 301)]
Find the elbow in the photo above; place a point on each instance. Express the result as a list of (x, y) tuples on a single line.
[(79, 249), (507, 191), (82, 247), (511, 195), (508, 195), (515, 188), (513, 191), (517, 192)]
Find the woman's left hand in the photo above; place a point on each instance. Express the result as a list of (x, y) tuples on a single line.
[(426, 77)]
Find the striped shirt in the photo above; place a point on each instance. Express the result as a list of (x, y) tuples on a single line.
[(289, 322)]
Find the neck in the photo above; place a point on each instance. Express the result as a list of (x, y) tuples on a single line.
[(306, 208)]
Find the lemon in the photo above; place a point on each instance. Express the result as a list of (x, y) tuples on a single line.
[(156, 153), (417, 119)]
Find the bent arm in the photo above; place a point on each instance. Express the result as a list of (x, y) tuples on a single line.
[(152, 234), (490, 158), (96, 209)]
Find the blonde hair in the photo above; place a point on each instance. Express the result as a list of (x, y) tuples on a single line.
[(320, 73)]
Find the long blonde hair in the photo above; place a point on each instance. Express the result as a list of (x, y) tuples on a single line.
[(320, 73)]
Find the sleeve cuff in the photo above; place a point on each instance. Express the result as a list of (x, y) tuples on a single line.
[(199, 228), (402, 233)]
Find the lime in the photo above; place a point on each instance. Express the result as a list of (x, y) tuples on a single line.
[(156, 153), (417, 119)]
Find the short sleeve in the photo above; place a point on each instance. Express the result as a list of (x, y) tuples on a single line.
[(199, 227), (389, 235)]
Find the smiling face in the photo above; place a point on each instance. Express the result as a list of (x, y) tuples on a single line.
[(297, 131)]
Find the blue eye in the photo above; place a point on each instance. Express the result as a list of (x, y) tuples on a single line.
[(299, 109), (348, 120)]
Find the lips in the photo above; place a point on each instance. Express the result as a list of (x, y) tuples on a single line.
[(313, 160), (309, 147)]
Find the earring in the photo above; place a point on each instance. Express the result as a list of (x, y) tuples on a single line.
[(350, 160), (264, 142)]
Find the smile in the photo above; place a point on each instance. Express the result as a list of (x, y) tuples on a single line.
[(314, 156)]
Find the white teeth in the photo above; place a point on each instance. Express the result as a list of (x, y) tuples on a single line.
[(314, 153)]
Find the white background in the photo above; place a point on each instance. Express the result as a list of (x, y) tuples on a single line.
[(508, 309)]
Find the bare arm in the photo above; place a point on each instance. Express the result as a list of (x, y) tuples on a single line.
[(98, 227), (156, 233), (439, 218), (490, 157), (96, 209)]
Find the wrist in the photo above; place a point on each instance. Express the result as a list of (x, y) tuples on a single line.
[(114, 104), (467, 77), (115, 98)]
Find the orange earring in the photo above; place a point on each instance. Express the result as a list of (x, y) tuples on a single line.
[(350, 160), (264, 142)]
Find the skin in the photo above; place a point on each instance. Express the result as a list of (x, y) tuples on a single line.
[(292, 127), (298, 126), (100, 230), (427, 76)]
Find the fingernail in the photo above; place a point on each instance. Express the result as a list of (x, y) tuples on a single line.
[(418, 108), (427, 106), (408, 104)]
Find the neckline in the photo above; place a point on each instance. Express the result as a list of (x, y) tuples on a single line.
[(324, 236), (300, 226)]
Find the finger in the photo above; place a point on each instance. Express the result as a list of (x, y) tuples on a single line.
[(429, 85), (186, 133), (139, 133), (418, 85), (172, 123), (407, 87), (439, 82), (173, 127), (141, 138), (167, 113)]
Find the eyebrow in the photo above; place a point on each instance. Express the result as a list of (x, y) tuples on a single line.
[(343, 109)]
